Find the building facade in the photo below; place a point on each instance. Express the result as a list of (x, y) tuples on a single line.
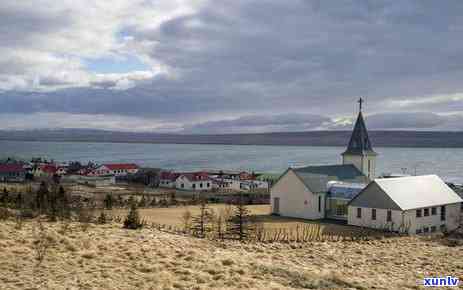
[(414, 204)]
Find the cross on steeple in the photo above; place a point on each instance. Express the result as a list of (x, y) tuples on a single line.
[(360, 101)]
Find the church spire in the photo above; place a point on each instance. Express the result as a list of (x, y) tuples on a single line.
[(359, 143)]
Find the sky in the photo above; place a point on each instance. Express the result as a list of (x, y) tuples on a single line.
[(198, 66)]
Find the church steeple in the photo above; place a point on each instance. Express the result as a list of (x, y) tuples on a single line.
[(359, 142), (359, 150)]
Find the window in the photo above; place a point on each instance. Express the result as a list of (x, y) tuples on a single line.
[(426, 212), (442, 213), (433, 211), (208, 184), (442, 228), (319, 203), (389, 216), (433, 229), (373, 214), (418, 231), (201, 185), (425, 230), (183, 185), (461, 206), (194, 185), (418, 213), (359, 212)]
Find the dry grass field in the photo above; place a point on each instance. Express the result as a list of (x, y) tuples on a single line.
[(172, 216), (109, 257)]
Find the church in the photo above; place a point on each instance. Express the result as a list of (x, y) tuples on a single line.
[(316, 192), (351, 192)]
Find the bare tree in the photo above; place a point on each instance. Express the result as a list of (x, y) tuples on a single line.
[(201, 222), (240, 226)]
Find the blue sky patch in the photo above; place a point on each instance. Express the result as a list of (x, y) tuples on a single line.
[(115, 65)]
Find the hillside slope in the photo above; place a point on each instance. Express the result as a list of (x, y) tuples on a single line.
[(108, 257)]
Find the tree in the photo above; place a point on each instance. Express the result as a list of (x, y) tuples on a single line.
[(200, 223), (239, 223), (63, 203), (4, 197), (142, 202), (41, 197), (133, 221), (186, 221), (102, 218), (108, 201)]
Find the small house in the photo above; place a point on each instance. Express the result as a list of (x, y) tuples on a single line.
[(12, 173), (414, 204)]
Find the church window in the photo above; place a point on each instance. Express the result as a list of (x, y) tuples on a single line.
[(373, 214), (389, 216), (418, 213), (359, 212), (319, 203)]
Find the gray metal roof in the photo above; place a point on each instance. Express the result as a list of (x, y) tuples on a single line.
[(345, 190), (359, 142), (410, 192), (317, 177)]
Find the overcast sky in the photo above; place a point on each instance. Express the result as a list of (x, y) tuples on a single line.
[(230, 66)]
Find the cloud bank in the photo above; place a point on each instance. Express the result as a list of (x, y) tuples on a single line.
[(235, 66)]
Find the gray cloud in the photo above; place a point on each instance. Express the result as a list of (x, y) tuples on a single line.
[(250, 58)]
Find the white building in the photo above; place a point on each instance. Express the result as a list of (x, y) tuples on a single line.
[(116, 169), (415, 204), (304, 192), (197, 181)]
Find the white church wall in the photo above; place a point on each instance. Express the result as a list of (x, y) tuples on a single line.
[(295, 200)]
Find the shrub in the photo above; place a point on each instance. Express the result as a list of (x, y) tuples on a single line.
[(102, 218), (4, 213), (133, 221)]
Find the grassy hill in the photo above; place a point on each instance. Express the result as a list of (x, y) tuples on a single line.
[(108, 257)]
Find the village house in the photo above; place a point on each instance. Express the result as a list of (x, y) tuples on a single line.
[(116, 169), (350, 192), (195, 181), (49, 170), (12, 173), (414, 204), (167, 179)]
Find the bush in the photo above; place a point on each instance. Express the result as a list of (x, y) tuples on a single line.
[(102, 218), (133, 221)]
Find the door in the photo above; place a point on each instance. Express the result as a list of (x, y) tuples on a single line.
[(276, 205)]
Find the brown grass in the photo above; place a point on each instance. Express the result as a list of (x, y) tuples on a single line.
[(172, 216), (109, 257)]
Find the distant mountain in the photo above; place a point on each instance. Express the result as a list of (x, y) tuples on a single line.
[(310, 138)]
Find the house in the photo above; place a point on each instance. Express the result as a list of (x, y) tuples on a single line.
[(304, 192), (45, 170), (116, 169), (12, 173), (414, 204), (167, 179), (195, 181), (221, 184)]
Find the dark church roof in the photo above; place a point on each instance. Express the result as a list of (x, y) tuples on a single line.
[(317, 177), (359, 142)]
